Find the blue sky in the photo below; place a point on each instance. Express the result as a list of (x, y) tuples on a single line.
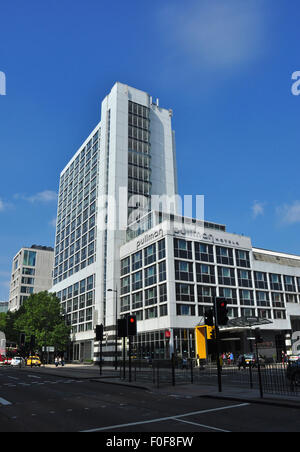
[(224, 67)]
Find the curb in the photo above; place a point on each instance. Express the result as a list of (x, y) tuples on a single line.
[(272, 402)]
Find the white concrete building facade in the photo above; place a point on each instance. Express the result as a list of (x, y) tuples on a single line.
[(128, 157), (171, 273), (31, 273)]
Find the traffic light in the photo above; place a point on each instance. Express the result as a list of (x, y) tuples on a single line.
[(99, 333), (32, 343), (258, 338), (211, 334), (22, 339), (222, 312), (131, 325), (122, 328), (209, 318)]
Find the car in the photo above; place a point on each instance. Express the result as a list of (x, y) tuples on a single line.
[(7, 361), (18, 361), (294, 358), (251, 359), (293, 372), (33, 361)]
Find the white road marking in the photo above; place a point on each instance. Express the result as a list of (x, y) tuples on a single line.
[(4, 402), (202, 425), (169, 418)]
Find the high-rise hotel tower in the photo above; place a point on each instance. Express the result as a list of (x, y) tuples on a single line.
[(130, 153)]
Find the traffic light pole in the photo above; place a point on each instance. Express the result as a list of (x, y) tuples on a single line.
[(218, 346)]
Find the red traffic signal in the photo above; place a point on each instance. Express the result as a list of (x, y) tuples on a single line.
[(222, 311), (131, 325)]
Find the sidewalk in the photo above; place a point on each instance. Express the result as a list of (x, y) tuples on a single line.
[(110, 376)]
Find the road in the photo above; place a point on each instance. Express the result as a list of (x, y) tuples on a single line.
[(31, 402)]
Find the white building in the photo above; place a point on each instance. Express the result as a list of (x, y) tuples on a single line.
[(130, 153), (3, 306), (171, 273), (165, 273), (31, 273)]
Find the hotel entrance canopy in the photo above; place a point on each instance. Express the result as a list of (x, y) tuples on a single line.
[(247, 322)]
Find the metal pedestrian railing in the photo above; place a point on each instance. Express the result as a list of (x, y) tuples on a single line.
[(270, 378)]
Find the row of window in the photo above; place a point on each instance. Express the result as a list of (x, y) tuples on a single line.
[(85, 285), (244, 297), (143, 258), (144, 278), (184, 271), (205, 253), (148, 297)]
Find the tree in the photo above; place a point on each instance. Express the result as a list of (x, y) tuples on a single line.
[(41, 317)]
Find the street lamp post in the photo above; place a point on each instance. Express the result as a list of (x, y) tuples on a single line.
[(116, 334)]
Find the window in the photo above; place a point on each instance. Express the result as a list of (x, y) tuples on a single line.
[(137, 281), (28, 271), (205, 273), (137, 300), (29, 258), (184, 271), (246, 298), (150, 296), (150, 276), (185, 292), (226, 276), (277, 300), (224, 255), (291, 298), (229, 294), (163, 293), (185, 310), (289, 284), (29, 281), (204, 252), (163, 310), (161, 249), (125, 303), (151, 313), (150, 254), (206, 294), (137, 261), (125, 266), (183, 249), (244, 278), (279, 315), (262, 298), (125, 285), (162, 271), (264, 314), (261, 281), (242, 258), (275, 282)]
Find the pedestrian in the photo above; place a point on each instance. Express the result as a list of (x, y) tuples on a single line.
[(231, 358), (56, 361), (241, 362), (221, 362)]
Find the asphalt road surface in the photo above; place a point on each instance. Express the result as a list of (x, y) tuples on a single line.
[(31, 402)]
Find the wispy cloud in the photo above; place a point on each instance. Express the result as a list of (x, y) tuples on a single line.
[(258, 209), (289, 213), (215, 34), (53, 223), (45, 196)]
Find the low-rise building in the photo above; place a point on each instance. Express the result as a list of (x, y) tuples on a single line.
[(31, 273), (172, 272)]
